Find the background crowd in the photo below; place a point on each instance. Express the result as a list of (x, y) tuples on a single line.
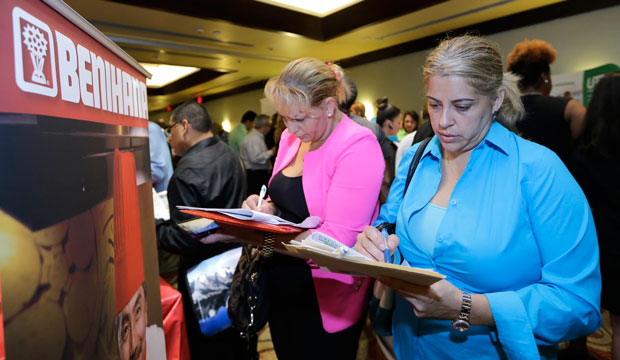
[(512, 200)]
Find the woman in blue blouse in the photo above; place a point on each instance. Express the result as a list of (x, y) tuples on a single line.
[(499, 216)]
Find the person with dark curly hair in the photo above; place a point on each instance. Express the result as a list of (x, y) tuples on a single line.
[(596, 168), (553, 122)]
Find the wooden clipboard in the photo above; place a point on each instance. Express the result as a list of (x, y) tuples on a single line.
[(225, 220), (364, 267)]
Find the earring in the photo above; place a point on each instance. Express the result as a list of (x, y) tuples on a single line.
[(329, 114), (546, 81), (494, 116)]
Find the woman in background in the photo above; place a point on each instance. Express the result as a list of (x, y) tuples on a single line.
[(553, 122), (411, 119), (389, 118), (597, 169), (358, 109)]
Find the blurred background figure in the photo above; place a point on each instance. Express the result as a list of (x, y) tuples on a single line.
[(411, 119), (241, 130), (358, 109), (255, 155), (387, 147), (270, 138), (389, 118), (219, 131), (553, 122), (161, 162), (597, 169)]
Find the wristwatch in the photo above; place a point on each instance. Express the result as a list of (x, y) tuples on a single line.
[(462, 322)]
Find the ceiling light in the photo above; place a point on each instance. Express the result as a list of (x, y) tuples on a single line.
[(166, 74), (319, 8)]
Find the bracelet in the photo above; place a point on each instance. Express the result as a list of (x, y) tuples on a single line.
[(268, 244), (462, 322)]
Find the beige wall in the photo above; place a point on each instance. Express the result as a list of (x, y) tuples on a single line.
[(582, 41)]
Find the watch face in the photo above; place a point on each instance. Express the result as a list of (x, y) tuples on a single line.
[(460, 325)]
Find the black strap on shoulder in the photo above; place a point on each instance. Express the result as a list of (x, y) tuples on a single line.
[(415, 162), (391, 227)]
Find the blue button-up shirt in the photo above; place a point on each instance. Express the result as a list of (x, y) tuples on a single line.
[(517, 229)]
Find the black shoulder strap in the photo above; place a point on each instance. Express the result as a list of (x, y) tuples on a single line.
[(415, 162), (391, 227)]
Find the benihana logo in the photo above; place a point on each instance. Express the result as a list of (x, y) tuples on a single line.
[(35, 61), (84, 77)]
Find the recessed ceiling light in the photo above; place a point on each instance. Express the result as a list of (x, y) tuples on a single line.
[(166, 74), (217, 32), (199, 30), (319, 8)]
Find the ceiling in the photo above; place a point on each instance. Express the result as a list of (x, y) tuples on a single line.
[(238, 44)]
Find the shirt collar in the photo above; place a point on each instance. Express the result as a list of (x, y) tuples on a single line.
[(497, 138), (258, 133)]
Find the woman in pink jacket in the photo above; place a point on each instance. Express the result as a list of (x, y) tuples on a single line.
[(326, 166)]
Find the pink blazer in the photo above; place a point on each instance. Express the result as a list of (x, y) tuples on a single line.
[(341, 182)]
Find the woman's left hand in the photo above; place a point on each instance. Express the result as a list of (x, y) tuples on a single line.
[(442, 300)]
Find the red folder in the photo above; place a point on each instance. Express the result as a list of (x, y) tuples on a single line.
[(222, 219)]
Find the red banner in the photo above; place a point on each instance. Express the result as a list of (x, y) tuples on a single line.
[(54, 68)]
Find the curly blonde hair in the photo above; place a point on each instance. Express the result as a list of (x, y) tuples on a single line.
[(306, 82), (529, 59)]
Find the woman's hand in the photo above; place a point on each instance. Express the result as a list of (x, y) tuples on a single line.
[(265, 207), (370, 243), (442, 300)]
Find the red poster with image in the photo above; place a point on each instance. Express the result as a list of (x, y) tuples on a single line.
[(76, 221)]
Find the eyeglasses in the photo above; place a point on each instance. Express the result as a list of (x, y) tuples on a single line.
[(168, 129)]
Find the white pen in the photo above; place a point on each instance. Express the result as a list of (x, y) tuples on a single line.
[(263, 191)]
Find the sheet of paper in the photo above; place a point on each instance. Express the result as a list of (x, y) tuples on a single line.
[(160, 205), (247, 214)]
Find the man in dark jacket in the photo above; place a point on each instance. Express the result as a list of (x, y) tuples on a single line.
[(209, 175)]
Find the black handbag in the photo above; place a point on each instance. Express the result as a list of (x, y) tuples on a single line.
[(381, 318), (248, 305)]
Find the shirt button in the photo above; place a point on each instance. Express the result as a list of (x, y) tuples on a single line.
[(439, 239), (453, 202)]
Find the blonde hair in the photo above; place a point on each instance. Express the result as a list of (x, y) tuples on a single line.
[(479, 61), (306, 82)]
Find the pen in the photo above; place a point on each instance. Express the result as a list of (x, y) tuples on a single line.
[(386, 251), (263, 191)]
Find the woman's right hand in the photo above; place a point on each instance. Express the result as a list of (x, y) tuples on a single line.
[(370, 243), (252, 203)]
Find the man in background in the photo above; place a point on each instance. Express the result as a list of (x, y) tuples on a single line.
[(241, 130), (161, 162), (255, 154), (208, 175)]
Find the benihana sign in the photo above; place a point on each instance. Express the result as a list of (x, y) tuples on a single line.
[(49, 63)]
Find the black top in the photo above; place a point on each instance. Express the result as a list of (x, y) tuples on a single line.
[(209, 175), (544, 123), (288, 195), (598, 177)]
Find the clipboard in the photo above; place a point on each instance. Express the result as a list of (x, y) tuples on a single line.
[(224, 220), (365, 267)]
